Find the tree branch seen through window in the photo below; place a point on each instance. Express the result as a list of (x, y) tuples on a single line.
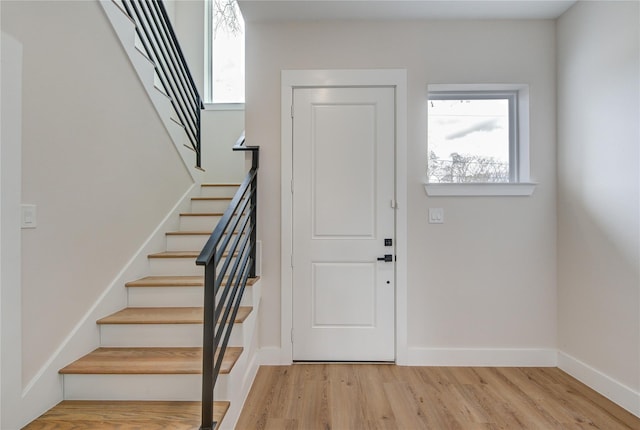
[(466, 168)]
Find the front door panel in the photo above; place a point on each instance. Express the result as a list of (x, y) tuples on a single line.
[(343, 193)]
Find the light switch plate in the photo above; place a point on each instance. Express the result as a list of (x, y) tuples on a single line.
[(436, 215), (28, 217)]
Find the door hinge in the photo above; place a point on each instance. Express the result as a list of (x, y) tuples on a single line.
[(292, 186), (394, 204), (291, 110), (291, 335), (292, 261)]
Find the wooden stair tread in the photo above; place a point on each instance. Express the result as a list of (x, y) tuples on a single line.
[(212, 198), (139, 361), (168, 315), (191, 233), (168, 281), (175, 281), (125, 415), (202, 214), (182, 254), (188, 233), (175, 254)]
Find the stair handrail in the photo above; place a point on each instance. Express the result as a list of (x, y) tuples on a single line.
[(225, 279), (161, 46)]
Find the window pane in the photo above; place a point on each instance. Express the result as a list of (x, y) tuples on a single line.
[(468, 140), (227, 53)]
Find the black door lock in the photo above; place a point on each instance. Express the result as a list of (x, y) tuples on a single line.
[(388, 242), (387, 257)]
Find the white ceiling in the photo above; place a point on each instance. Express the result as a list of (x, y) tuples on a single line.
[(318, 10)]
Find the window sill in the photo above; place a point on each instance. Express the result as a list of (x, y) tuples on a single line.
[(480, 189), (224, 106)]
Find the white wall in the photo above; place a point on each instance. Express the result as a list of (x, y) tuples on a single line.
[(220, 128), (96, 160), (487, 277), (10, 246), (598, 192), (220, 131)]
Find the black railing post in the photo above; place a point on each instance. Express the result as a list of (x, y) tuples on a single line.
[(199, 136), (208, 346), (254, 212)]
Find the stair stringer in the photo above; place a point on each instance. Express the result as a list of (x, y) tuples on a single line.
[(46, 387), (125, 30), (232, 387)]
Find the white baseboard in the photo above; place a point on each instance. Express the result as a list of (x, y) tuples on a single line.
[(615, 391), (272, 356), (46, 388), (491, 357)]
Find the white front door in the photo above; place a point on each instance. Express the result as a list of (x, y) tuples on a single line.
[(343, 211)]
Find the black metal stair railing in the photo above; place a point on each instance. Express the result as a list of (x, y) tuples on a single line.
[(225, 279), (160, 43)]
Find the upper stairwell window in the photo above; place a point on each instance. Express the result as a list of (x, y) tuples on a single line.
[(478, 140), (224, 54)]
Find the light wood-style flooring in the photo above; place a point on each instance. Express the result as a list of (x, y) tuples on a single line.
[(380, 396)]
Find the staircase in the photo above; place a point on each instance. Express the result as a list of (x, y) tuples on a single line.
[(147, 37), (147, 373)]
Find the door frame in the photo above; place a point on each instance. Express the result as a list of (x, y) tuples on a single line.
[(290, 80)]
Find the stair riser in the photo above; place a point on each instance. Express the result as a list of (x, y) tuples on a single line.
[(175, 296), (199, 223), (176, 267), (148, 387), (220, 191), (228, 387), (165, 296), (160, 335), (252, 295), (208, 206), (190, 242), (132, 387)]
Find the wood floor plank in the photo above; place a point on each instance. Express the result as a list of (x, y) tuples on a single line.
[(623, 416), (124, 415), (367, 396), (343, 384), (375, 406)]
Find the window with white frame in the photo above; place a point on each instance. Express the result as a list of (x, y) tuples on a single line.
[(477, 135), (224, 52)]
